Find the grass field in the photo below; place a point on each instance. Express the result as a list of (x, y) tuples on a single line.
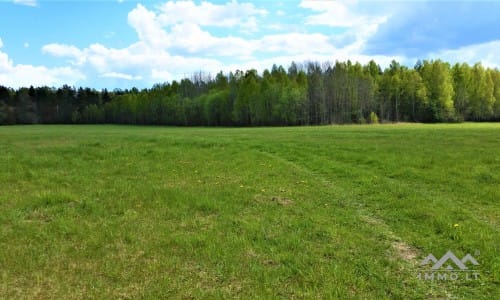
[(300, 212)]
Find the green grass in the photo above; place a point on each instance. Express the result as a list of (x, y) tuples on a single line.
[(299, 212)]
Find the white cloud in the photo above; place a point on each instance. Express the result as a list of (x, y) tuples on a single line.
[(26, 45), (120, 76), (338, 13), (31, 3), (208, 14), (178, 29), (191, 38), (296, 43), (154, 57), (331, 13), (173, 42), (60, 50), (163, 76), (360, 25), (177, 39), (486, 53), (138, 61), (19, 75), (276, 26), (148, 28), (250, 25)]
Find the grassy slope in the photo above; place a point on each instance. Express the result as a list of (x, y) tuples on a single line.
[(342, 211)]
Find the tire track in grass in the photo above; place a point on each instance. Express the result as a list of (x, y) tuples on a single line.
[(405, 254), (363, 215)]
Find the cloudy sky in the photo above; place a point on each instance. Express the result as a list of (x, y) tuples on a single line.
[(121, 43)]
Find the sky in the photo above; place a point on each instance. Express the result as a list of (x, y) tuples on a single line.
[(123, 44)]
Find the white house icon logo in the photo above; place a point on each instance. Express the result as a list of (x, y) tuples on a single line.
[(448, 267)]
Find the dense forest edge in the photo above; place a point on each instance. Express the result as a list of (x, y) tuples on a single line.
[(305, 94)]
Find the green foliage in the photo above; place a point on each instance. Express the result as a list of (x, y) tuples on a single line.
[(26, 110), (373, 118), (3, 113), (93, 114), (7, 114), (481, 93), (461, 85), (438, 81), (306, 94), (415, 96), (495, 77), (76, 117)]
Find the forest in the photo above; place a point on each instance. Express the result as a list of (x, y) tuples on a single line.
[(309, 93)]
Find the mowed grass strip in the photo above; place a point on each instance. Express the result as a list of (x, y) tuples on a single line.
[(296, 212)]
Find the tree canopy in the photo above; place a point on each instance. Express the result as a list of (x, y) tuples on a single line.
[(304, 94)]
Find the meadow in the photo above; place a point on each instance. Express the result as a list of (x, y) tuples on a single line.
[(131, 212)]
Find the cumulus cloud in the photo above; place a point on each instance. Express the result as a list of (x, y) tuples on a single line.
[(486, 53), (191, 38), (208, 14), (176, 39), (31, 3), (76, 55), (359, 25), (148, 27), (121, 76), (161, 75), (136, 62), (338, 14), (296, 43), (171, 42), (18, 75)]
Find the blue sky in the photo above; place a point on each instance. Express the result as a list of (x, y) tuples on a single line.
[(121, 44)]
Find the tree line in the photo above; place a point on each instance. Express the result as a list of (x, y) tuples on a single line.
[(305, 94)]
